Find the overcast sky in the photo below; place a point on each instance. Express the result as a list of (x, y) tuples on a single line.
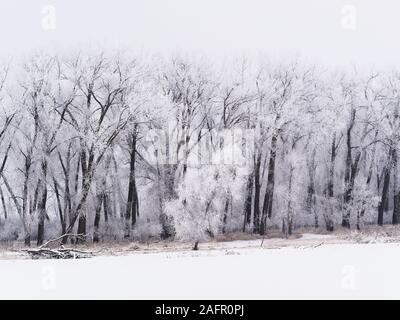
[(328, 31)]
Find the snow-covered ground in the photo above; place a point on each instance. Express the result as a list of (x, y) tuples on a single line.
[(231, 271)]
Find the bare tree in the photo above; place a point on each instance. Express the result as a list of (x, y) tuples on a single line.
[(103, 86)]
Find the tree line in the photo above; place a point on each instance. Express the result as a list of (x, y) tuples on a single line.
[(108, 146)]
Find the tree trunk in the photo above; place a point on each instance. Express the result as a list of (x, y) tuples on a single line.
[(385, 188), (257, 193), (167, 222), (78, 213), (289, 214), (329, 216), (368, 182), (99, 200), (385, 191), (332, 168), (269, 193), (87, 177), (3, 202), (396, 191), (81, 228), (106, 206), (131, 205), (396, 209), (42, 204), (247, 203), (67, 207), (347, 176), (27, 238), (311, 188), (117, 189), (25, 200), (225, 214), (76, 185), (60, 211)]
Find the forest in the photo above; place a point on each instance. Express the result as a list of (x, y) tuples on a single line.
[(109, 146)]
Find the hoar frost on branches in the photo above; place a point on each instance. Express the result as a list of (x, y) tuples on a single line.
[(199, 210)]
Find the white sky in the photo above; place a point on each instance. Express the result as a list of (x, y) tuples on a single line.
[(312, 28)]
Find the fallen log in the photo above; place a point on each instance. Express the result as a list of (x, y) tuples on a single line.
[(61, 253), (44, 252)]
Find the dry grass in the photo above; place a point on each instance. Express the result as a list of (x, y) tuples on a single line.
[(273, 239)]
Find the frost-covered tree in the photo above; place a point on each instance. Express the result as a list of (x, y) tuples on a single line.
[(199, 210), (110, 146)]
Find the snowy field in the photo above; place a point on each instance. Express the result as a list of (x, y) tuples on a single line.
[(240, 270)]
